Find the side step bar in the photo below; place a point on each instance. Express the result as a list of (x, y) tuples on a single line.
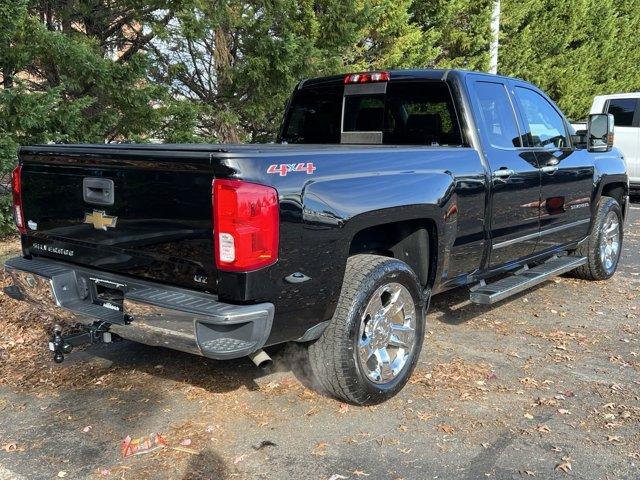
[(494, 292)]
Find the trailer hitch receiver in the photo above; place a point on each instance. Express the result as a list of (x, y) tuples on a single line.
[(62, 345)]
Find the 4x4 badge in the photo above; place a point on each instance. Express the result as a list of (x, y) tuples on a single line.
[(100, 220)]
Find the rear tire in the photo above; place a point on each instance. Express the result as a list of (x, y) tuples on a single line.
[(604, 244), (372, 344)]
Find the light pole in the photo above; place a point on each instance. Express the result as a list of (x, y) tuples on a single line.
[(495, 37)]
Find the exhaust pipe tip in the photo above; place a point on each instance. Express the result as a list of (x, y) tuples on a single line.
[(261, 359)]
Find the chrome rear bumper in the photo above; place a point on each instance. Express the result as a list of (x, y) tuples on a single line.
[(149, 313)]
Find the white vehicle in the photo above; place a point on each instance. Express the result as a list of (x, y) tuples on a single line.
[(625, 107)]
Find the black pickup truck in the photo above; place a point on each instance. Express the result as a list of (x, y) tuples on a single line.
[(383, 188)]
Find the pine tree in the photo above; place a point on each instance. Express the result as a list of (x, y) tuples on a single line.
[(572, 50), (455, 33)]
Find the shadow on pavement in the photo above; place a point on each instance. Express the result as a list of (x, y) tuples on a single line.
[(455, 308)]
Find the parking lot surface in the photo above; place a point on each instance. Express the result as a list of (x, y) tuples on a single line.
[(545, 385)]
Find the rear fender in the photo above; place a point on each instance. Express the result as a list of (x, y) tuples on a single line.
[(336, 209)]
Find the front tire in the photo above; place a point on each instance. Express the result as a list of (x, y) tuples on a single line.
[(604, 244), (372, 344)]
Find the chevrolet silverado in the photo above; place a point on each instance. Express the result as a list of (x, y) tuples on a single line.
[(382, 189)]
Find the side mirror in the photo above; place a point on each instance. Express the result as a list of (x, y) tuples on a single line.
[(600, 132)]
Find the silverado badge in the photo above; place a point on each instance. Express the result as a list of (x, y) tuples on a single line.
[(100, 220)]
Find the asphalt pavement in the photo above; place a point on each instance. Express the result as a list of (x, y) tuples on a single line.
[(545, 385)]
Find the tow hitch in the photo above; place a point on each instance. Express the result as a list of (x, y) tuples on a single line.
[(62, 345)]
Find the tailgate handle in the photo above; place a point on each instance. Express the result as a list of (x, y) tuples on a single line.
[(98, 191)]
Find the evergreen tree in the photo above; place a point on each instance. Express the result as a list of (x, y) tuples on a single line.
[(456, 33), (572, 50), (75, 71), (220, 71), (238, 61)]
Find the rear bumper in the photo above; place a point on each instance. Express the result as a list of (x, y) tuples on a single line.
[(148, 313)]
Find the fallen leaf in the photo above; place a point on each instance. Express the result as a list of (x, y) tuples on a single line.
[(264, 444), (543, 428), (185, 450), (527, 472), (239, 458), (313, 411), (443, 427), (614, 438), (565, 465), (529, 416), (10, 447), (186, 442), (319, 449), (360, 473), (344, 408)]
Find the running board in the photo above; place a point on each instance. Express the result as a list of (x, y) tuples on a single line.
[(494, 292)]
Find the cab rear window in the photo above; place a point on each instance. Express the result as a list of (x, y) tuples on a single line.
[(408, 113)]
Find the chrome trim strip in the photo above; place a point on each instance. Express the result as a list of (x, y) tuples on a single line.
[(524, 238)]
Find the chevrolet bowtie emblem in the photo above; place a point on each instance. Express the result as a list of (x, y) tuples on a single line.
[(100, 220)]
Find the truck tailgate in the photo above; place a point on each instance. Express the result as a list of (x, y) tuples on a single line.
[(135, 214)]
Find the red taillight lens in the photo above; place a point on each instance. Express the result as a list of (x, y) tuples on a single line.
[(366, 77), (246, 225), (16, 188)]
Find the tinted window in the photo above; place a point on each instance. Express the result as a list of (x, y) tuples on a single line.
[(420, 113), (314, 116), (623, 110), (543, 124), (409, 113), (498, 119), (364, 113)]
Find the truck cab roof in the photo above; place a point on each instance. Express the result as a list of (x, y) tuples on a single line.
[(402, 74)]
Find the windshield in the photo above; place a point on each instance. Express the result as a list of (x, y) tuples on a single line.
[(409, 113)]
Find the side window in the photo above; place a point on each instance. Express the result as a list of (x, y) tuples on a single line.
[(498, 118), (314, 116), (623, 110), (543, 124), (421, 113)]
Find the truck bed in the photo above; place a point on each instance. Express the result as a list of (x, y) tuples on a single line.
[(162, 202)]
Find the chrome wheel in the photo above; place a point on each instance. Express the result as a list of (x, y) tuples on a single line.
[(387, 333), (610, 242)]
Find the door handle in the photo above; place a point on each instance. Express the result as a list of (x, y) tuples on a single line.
[(549, 168), (98, 191), (502, 173)]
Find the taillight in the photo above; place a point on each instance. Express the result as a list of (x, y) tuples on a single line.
[(16, 188), (366, 77), (246, 224)]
